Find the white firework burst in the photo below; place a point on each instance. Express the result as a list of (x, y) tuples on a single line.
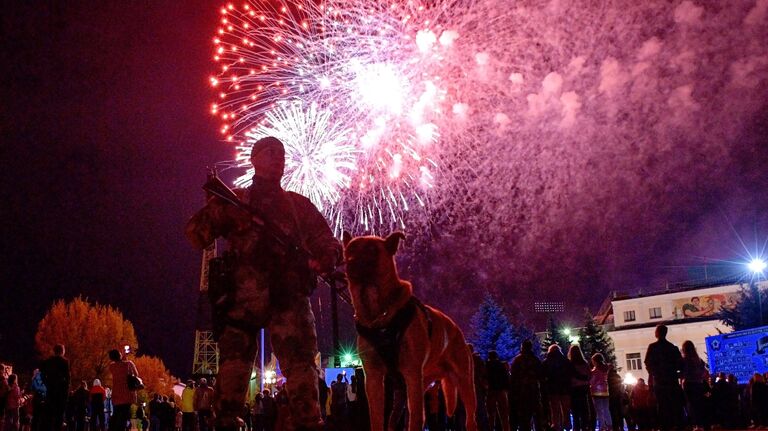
[(319, 158)]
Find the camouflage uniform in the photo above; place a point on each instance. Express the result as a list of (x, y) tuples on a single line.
[(272, 291)]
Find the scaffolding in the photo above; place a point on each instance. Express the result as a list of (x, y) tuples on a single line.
[(206, 359)]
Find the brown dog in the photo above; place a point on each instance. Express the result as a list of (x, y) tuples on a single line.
[(398, 333)]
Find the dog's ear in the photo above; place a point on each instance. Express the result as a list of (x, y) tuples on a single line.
[(393, 241), (346, 237)]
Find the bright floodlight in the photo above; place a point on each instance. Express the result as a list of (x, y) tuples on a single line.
[(757, 265), (629, 379)]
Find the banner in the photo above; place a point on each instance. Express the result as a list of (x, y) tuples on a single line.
[(704, 305), (741, 353)]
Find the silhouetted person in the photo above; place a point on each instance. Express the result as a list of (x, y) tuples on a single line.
[(79, 402), (497, 396), (641, 406), (758, 400), (695, 376), (617, 399), (270, 285), (97, 397), (203, 402), (557, 381), (598, 384), (55, 374), (580, 396), (663, 362), (526, 376)]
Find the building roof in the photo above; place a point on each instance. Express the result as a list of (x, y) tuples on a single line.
[(670, 322), (683, 286)]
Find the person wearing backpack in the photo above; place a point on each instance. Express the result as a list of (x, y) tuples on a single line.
[(122, 396)]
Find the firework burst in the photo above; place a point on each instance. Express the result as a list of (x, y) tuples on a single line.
[(352, 88), (319, 160)]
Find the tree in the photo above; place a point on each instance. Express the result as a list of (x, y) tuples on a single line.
[(554, 335), (89, 332), (491, 330), (746, 313), (522, 333), (593, 339), (156, 377)]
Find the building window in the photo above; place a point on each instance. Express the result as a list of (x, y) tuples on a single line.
[(633, 362), (655, 312), (629, 316)]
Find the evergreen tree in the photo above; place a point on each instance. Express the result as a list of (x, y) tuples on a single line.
[(593, 339), (491, 330), (746, 313), (522, 333), (554, 335)]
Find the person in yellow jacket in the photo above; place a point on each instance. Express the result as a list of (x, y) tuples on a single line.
[(188, 407)]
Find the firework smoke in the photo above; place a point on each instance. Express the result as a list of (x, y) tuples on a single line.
[(549, 125)]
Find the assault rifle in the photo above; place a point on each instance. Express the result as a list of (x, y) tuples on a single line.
[(217, 188)]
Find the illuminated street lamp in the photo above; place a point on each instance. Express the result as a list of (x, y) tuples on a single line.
[(572, 338), (757, 266)]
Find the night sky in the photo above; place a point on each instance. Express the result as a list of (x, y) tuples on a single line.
[(105, 137)]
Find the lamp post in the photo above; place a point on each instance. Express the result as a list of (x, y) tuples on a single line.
[(757, 266)]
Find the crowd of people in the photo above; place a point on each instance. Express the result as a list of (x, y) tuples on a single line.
[(564, 391)]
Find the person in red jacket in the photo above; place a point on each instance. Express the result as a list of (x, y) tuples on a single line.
[(122, 396)]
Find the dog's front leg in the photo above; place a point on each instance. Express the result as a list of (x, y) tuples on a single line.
[(414, 382), (374, 391)]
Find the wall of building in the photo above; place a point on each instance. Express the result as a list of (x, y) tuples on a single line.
[(636, 341), (669, 305)]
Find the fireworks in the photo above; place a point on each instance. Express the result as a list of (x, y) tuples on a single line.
[(319, 159), (352, 89)]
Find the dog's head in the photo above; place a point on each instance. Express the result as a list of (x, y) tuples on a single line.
[(370, 259)]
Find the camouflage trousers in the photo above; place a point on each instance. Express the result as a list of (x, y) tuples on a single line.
[(294, 342)]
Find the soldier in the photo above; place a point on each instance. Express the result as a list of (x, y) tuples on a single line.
[(271, 286)]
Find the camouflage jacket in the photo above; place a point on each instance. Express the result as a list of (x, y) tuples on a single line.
[(294, 213)]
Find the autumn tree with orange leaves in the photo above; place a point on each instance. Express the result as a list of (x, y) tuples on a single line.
[(157, 379), (88, 332)]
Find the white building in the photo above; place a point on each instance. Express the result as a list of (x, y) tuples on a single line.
[(689, 311)]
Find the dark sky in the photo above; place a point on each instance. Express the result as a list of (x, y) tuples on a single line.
[(105, 140), (105, 136)]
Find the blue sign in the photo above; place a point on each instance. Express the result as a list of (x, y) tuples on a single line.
[(741, 353)]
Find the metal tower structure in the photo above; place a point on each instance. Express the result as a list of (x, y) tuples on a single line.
[(206, 359)]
